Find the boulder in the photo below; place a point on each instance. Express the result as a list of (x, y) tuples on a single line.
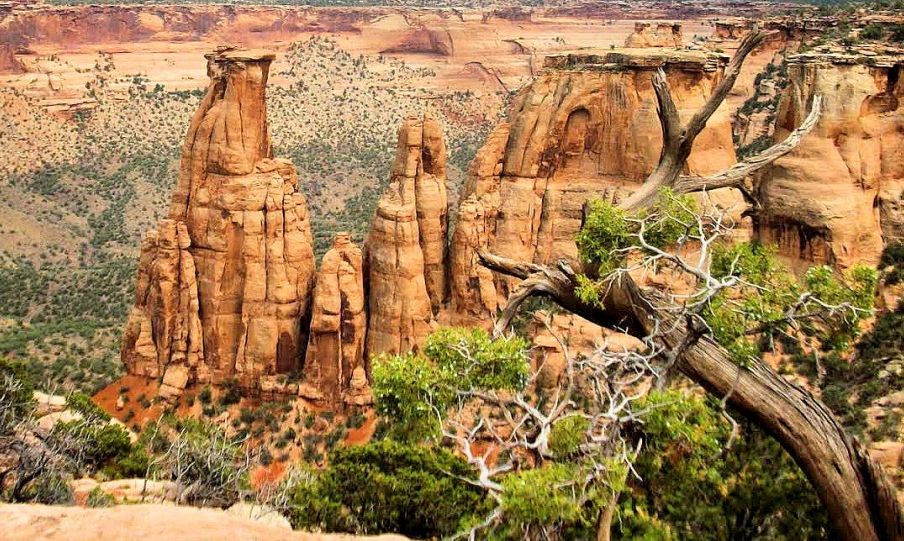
[(48, 403)]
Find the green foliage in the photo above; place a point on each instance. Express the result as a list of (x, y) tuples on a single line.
[(871, 31), (99, 498), (51, 489), (232, 394), (557, 497), (83, 404), (101, 443), (135, 463), (200, 454), (412, 391), (693, 489), (608, 236), (850, 386), (669, 219), (766, 291), (892, 263), (567, 434), (541, 496), (604, 234), (387, 486), (16, 393), (406, 388), (476, 361)]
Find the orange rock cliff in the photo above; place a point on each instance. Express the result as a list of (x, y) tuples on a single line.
[(587, 127), (226, 284), (839, 196)]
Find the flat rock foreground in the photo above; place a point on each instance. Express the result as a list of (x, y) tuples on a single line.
[(151, 522)]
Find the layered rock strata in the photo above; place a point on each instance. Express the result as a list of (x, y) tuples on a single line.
[(587, 127), (664, 35), (224, 282), (334, 359), (840, 194), (406, 246)]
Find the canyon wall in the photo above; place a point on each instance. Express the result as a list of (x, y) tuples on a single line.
[(225, 281), (587, 127), (664, 35), (226, 284), (837, 198)]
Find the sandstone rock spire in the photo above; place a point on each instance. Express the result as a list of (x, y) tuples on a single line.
[(406, 247), (338, 324), (242, 241)]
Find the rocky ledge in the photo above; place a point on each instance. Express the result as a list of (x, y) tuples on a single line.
[(637, 58)]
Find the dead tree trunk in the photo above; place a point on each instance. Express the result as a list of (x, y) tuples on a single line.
[(859, 498)]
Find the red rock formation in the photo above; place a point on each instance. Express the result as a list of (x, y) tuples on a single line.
[(8, 61), (421, 39), (163, 328), (665, 35), (407, 243), (237, 245), (338, 324), (586, 127), (836, 196)]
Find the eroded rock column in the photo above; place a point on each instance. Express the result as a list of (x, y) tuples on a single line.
[(335, 369), (406, 247), (838, 195), (244, 241)]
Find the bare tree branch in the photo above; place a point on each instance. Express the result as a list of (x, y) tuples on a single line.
[(677, 143), (734, 176), (696, 124)]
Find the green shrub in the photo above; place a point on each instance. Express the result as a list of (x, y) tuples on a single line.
[(101, 444), (871, 31), (99, 498), (387, 486), (83, 404), (231, 394), (691, 487), (51, 489), (16, 394), (893, 260)]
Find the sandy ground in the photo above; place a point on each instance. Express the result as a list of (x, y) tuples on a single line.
[(151, 522)]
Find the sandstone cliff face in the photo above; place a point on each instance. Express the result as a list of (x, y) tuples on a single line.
[(406, 247), (163, 328), (586, 127), (8, 61), (839, 194), (242, 254), (664, 35), (335, 354)]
